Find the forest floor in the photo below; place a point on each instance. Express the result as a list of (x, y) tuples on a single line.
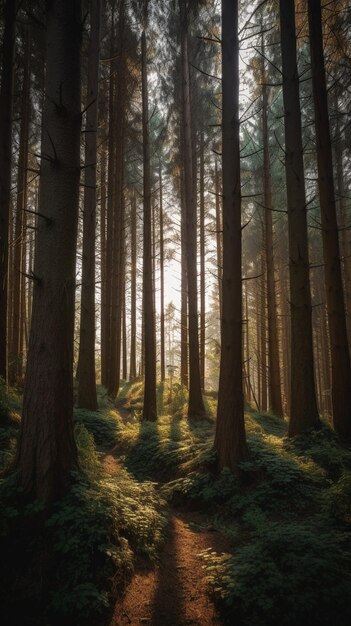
[(152, 533), (175, 592)]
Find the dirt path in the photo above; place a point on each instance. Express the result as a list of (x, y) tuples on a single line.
[(175, 593)]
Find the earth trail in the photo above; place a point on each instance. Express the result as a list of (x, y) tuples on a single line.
[(175, 592)]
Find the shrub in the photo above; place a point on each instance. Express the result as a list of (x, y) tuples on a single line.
[(68, 564), (287, 574), (338, 498), (4, 402), (103, 425), (9, 425)]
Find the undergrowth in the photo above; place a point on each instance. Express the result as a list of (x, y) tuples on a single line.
[(103, 425), (9, 424), (285, 574), (68, 564), (287, 514)]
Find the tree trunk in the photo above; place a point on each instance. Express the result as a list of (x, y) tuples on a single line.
[(258, 343), (103, 193), (273, 346), (218, 238), (196, 409), (263, 330), (303, 409), (132, 364), (23, 343), (6, 95), (150, 406), (343, 222), (87, 397), (114, 366), (162, 282), (340, 356), (124, 314), (106, 346), (118, 210), (184, 369), (47, 451), (230, 441), (247, 347), (15, 365), (285, 328), (202, 265)]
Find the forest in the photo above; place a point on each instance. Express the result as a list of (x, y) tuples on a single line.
[(175, 312)]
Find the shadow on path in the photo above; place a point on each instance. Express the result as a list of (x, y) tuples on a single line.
[(168, 603), (176, 593)]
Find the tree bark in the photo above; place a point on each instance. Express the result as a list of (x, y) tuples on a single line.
[(263, 329), (106, 346), (87, 397), (47, 452), (303, 409), (273, 346), (202, 265), (230, 440), (149, 406), (196, 408), (247, 346), (6, 96), (286, 333), (132, 363), (343, 224), (118, 210), (340, 355), (103, 193), (184, 366), (218, 237), (259, 345), (124, 313), (162, 281), (15, 365)]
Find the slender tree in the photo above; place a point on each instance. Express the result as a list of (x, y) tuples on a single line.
[(103, 192), (196, 408), (263, 329), (124, 313), (273, 346), (87, 397), (303, 402), (18, 285), (218, 236), (149, 405), (184, 352), (339, 348), (117, 209), (162, 279), (202, 263), (343, 217), (6, 95), (105, 322), (133, 229), (230, 440)]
